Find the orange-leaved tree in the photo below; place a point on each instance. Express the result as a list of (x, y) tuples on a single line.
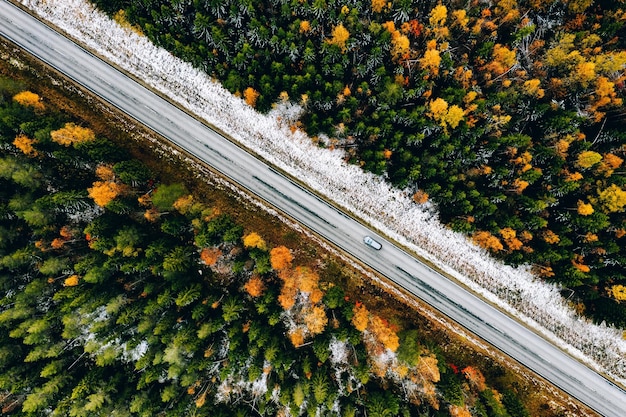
[(255, 286), (550, 237), (383, 333), (510, 238), (105, 172), (502, 60), (488, 241), (458, 411), (610, 162), (280, 257), (475, 378), (301, 297), (618, 292), (210, 256), (103, 192), (250, 96), (296, 336), (437, 20)]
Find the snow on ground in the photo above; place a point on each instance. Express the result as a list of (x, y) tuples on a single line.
[(513, 289)]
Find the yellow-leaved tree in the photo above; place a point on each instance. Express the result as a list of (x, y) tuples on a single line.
[(438, 109), (431, 59), (502, 60), (447, 116), (612, 198), (454, 116), (437, 19), (531, 87), (29, 99), (72, 134), (605, 95), (254, 240), (71, 281), (339, 37), (378, 5), (400, 44), (25, 144), (584, 209), (618, 292), (587, 159), (360, 318), (315, 319)]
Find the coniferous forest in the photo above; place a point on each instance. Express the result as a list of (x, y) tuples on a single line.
[(507, 115), (122, 295)]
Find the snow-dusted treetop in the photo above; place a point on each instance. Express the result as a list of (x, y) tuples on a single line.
[(513, 289)]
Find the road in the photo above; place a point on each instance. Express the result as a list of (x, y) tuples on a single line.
[(199, 140)]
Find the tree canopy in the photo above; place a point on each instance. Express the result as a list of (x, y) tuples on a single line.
[(106, 312), (504, 115)]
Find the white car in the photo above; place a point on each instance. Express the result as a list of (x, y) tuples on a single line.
[(372, 243)]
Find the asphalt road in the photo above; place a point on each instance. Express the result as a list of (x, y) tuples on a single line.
[(156, 113)]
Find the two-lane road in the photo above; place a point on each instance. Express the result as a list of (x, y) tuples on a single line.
[(199, 140)]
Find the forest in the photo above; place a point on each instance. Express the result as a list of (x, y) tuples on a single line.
[(507, 115), (123, 295)]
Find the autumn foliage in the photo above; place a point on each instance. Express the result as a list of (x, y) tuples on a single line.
[(254, 240), (250, 96), (380, 330), (29, 99), (72, 134), (339, 37), (280, 258), (488, 241), (475, 377), (434, 98), (255, 286), (360, 319), (71, 281), (210, 256), (103, 192), (186, 284), (105, 172), (301, 297), (25, 144)]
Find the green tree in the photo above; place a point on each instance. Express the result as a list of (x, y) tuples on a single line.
[(164, 196)]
